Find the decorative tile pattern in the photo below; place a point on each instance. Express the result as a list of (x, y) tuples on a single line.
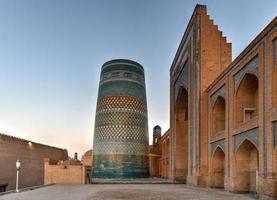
[(121, 133), (252, 135), (221, 92), (120, 146), (274, 112), (219, 143), (122, 88), (275, 50), (275, 132), (182, 81), (122, 75), (118, 166), (120, 117), (121, 102), (198, 100), (251, 67), (122, 64)]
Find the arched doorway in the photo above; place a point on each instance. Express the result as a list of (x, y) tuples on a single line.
[(246, 165), (218, 115), (218, 168), (181, 162), (246, 100)]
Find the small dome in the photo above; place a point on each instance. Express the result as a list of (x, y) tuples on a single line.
[(157, 129), (122, 61), (88, 153)]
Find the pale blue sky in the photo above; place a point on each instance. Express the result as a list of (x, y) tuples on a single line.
[(51, 52)]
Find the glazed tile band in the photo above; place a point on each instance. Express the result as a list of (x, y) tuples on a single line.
[(120, 147)]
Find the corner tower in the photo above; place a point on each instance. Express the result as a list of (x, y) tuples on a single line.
[(120, 147)]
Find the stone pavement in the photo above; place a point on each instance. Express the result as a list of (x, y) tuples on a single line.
[(124, 191)]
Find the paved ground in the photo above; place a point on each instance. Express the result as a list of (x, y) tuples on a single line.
[(126, 191)]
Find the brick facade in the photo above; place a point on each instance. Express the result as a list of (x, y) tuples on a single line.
[(201, 57), (159, 154), (223, 114), (250, 87)]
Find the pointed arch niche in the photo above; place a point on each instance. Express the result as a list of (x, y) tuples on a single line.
[(218, 115), (218, 168), (218, 111), (246, 99), (246, 165), (181, 121)]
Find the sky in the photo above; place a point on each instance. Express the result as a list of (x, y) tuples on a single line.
[(51, 53)]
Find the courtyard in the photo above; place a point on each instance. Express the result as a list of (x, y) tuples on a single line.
[(125, 191)]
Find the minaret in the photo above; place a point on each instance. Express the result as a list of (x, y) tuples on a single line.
[(120, 147), (157, 134)]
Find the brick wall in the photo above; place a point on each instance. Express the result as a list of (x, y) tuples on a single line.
[(31, 155), (159, 157), (62, 173)]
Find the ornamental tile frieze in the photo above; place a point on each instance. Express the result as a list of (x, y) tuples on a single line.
[(120, 145), (122, 75), (251, 67), (182, 81), (251, 135), (221, 92), (219, 143)]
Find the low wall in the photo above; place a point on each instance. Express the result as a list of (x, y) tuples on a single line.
[(63, 174)]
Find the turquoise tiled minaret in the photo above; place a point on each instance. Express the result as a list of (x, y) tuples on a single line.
[(120, 147)]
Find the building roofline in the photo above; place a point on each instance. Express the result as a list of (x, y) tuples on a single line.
[(165, 134), (120, 61), (184, 37), (246, 50), (10, 138)]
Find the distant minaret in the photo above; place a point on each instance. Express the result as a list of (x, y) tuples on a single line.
[(120, 147), (76, 156), (157, 134)]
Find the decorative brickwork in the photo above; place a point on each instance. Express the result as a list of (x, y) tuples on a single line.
[(202, 56), (250, 162), (222, 112), (121, 102), (121, 117)]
